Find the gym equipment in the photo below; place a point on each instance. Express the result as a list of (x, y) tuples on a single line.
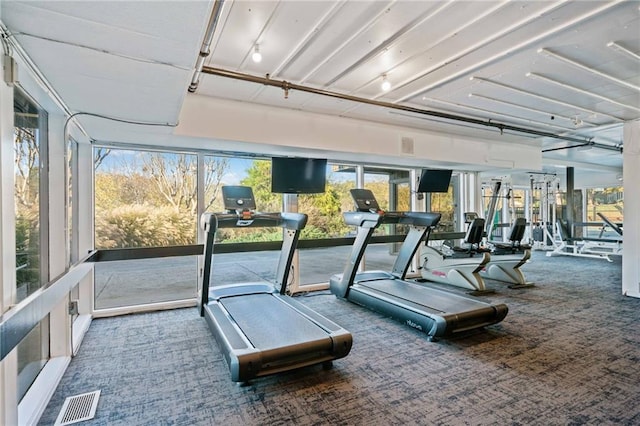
[(507, 258), (260, 329), (544, 190), (436, 312), (459, 266), (610, 224), (596, 248)]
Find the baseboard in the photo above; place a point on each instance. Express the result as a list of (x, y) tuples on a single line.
[(39, 394)]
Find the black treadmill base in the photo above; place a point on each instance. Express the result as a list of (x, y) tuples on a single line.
[(254, 351), (435, 312)]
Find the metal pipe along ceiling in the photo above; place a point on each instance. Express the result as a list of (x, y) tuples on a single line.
[(286, 86), (206, 43)]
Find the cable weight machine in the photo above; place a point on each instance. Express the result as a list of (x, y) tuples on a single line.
[(543, 204)]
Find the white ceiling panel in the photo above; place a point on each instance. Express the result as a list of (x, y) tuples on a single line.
[(542, 66), (112, 82), (116, 27), (332, 31), (368, 39)]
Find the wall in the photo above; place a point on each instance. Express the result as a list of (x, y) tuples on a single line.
[(256, 128), (631, 176), (30, 408)]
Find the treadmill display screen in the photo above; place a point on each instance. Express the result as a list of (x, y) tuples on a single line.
[(364, 200), (238, 198)]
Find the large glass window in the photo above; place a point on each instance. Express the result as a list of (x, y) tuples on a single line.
[(443, 203), (604, 203), (30, 126), (144, 199), (255, 266), (30, 146), (325, 221)]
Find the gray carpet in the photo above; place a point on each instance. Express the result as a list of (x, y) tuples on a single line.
[(567, 353)]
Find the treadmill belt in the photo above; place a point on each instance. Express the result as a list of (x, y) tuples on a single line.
[(270, 323), (431, 298)]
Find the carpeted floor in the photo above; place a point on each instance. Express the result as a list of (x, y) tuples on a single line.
[(568, 353)]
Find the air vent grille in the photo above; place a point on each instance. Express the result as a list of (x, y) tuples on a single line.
[(78, 408)]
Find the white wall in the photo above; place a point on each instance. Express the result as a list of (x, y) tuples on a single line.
[(85, 221), (271, 130), (631, 177), (34, 402)]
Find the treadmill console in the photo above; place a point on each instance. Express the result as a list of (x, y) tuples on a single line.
[(470, 216), (365, 200), (238, 198)]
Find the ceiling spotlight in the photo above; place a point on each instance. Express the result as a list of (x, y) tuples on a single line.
[(256, 56), (386, 85)]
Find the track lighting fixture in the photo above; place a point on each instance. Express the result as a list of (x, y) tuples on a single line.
[(386, 85), (256, 56)]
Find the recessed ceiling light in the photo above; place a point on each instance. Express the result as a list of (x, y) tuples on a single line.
[(386, 85), (256, 56)]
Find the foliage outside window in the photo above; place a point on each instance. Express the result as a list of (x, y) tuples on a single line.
[(443, 203), (607, 201), (30, 129), (324, 209), (27, 204), (149, 199)]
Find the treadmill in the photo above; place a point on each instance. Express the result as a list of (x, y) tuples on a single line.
[(259, 329), (437, 312)]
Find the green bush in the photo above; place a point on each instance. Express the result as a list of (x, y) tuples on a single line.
[(141, 225)]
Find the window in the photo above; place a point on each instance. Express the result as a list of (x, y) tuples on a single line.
[(30, 127), (144, 199), (607, 202), (30, 146)]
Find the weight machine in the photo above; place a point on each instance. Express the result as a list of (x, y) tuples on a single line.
[(544, 191), (509, 254)]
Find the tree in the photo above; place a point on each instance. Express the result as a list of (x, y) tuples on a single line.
[(99, 154), (324, 209), (259, 179), (149, 186), (27, 159), (27, 205), (175, 176)]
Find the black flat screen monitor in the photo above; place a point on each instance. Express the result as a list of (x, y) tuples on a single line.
[(435, 181), (298, 175)]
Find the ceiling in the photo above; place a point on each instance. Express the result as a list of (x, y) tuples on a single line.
[(508, 69)]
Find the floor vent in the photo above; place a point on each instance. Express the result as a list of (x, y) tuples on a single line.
[(78, 408)]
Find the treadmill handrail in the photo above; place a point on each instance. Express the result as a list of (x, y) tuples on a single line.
[(210, 222), (420, 223), (369, 219)]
